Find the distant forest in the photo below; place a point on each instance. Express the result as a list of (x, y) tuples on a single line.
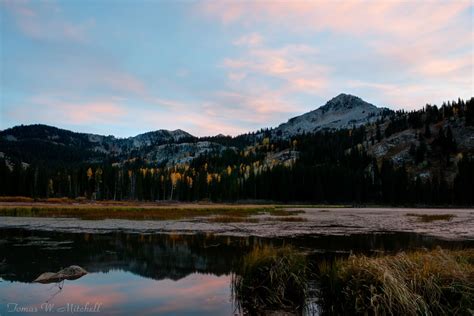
[(330, 167)]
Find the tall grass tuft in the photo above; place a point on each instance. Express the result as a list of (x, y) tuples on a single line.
[(271, 279), (437, 282)]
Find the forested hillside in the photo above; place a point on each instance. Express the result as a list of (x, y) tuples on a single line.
[(401, 158)]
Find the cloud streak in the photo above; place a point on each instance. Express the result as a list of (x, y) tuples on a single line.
[(225, 66), (35, 20)]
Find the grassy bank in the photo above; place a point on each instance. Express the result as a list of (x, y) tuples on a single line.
[(428, 218), (271, 279), (90, 212), (439, 282)]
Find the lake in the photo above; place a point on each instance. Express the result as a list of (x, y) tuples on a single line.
[(154, 274)]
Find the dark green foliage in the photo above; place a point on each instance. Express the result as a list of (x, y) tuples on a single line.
[(469, 105), (427, 130), (464, 182), (396, 124), (378, 134), (420, 152)]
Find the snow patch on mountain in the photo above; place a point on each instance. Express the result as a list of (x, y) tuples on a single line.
[(158, 137), (182, 153), (343, 111)]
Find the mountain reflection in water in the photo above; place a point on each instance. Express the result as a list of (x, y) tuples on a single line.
[(153, 273)]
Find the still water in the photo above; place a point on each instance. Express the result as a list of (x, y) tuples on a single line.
[(135, 274)]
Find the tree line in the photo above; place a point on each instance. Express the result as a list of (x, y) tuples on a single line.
[(324, 167)]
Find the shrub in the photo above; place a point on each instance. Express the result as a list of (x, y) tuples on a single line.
[(271, 279), (439, 282)]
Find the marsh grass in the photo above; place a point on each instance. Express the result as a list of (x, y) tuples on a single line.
[(90, 212), (26, 199), (315, 206), (428, 218), (290, 219), (20, 199), (439, 282), (271, 279)]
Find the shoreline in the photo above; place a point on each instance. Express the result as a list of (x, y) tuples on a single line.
[(309, 221)]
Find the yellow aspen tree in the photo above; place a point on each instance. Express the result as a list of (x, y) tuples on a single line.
[(89, 173), (266, 142), (175, 177), (189, 180)]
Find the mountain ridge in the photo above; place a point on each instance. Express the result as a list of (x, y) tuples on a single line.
[(338, 103), (50, 144)]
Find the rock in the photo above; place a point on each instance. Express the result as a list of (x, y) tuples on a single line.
[(69, 273)]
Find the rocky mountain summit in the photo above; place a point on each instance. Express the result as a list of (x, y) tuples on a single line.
[(342, 111)]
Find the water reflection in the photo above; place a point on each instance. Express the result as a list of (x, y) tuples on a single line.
[(154, 274), (124, 293)]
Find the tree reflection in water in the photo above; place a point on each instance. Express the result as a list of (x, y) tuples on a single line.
[(175, 261)]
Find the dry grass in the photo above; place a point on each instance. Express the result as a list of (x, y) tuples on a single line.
[(25, 199), (271, 279), (439, 282), (428, 218), (99, 212), (315, 206), (19, 199)]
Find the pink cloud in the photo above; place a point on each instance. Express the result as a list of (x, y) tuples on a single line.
[(253, 39), (236, 76), (263, 79), (399, 18), (440, 57), (447, 66), (123, 81), (19, 7), (395, 29), (36, 20), (304, 84), (424, 50), (71, 111), (209, 291), (408, 95), (288, 63), (106, 295), (206, 120)]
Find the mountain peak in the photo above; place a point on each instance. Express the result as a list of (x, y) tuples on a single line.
[(342, 111), (345, 96), (344, 101)]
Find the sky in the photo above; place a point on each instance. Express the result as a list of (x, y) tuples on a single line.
[(208, 67)]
